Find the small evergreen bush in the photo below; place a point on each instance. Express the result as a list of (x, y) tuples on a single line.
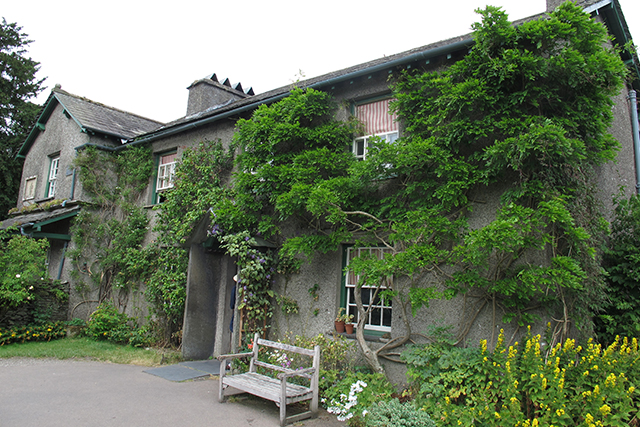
[(107, 323), (396, 414)]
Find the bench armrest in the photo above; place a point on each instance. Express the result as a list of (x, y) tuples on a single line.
[(299, 372), (234, 356)]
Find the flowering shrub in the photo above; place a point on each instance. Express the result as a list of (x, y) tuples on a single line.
[(21, 334), (22, 268), (351, 397), (524, 385), (343, 406)]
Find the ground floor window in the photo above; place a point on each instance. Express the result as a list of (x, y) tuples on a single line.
[(379, 318)]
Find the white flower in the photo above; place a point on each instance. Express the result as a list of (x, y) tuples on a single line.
[(365, 412), (30, 287), (17, 276)]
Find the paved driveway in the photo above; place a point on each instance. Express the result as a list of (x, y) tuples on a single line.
[(52, 393)]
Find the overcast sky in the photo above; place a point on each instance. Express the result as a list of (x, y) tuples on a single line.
[(140, 56)]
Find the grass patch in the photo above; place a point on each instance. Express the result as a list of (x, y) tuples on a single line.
[(85, 348)]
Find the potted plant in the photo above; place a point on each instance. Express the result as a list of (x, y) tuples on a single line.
[(348, 327), (342, 319)]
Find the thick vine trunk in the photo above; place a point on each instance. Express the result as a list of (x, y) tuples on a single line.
[(370, 356)]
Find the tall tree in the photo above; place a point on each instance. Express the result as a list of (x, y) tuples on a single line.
[(18, 85)]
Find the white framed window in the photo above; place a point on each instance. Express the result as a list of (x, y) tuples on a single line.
[(379, 318), (166, 171), (54, 165), (378, 121), (30, 188), (361, 144)]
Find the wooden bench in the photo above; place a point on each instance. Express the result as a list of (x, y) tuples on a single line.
[(278, 389)]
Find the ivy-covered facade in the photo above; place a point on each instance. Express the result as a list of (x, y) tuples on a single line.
[(208, 177)]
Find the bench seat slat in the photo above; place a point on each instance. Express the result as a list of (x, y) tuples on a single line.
[(267, 387)]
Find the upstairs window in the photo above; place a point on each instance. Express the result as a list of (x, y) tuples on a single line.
[(165, 176), (30, 188), (378, 121), (166, 171), (53, 176), (379, 318)]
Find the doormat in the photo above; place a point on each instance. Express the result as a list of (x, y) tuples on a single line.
[(186, 370)]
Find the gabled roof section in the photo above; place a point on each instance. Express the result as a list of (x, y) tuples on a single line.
[(92, 117)]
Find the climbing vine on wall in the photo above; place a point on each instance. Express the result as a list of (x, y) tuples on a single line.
[(519, 123), (108, 234)]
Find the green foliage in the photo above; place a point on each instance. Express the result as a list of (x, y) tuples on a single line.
[(198, 185), (527, 384), (392, 413), (287, 149), (108, 238), (165, 278), (23, 268), (107, 323), (520, 108), (335, 356), (257, 274), (621, 313), (31, 333), (17, 114)]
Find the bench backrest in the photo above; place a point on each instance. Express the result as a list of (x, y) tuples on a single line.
[(257, 342)]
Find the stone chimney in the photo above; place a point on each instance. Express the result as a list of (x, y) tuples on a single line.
[(208, 92)]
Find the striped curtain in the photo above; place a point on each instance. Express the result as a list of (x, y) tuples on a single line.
[(168, 158), (377, 117)]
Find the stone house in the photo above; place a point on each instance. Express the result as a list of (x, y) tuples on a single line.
[(213, 109)]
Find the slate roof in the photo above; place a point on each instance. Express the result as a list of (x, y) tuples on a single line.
[(91, 117), (41, 217), (103, 119)]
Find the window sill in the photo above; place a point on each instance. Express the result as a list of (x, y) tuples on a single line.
[(367, 337)]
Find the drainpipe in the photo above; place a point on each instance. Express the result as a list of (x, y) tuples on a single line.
[(636, 138), (73, 185), (64, 251)]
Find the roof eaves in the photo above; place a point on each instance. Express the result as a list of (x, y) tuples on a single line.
[(38, 126)]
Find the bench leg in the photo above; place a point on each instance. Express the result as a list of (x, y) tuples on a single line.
[(283, 402)]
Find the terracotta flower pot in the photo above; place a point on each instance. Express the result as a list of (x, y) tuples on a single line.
[(339, 327), (348, 327)]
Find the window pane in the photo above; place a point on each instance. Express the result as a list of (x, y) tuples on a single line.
[(376, 317), (386, 317)]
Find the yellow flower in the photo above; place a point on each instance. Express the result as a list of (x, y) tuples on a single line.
[(534, 423), (497, 415), (605, 409), (560, 412)]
